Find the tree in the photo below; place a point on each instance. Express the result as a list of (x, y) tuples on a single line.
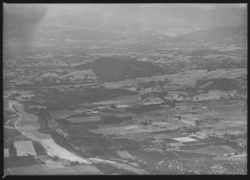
[(12, 150), (113, 106), (56, 158), (44, 116)]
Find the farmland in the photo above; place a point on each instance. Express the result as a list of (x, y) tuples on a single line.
[(126, 89), (125, 128)]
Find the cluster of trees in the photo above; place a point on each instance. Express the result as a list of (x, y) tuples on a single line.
[(44, 117)]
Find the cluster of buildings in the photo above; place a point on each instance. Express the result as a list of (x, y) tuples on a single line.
[(210, 95), (177, 96), (215, 95), (61, 133), (24, 96)]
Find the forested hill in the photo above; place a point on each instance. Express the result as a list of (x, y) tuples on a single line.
[(120, 68)]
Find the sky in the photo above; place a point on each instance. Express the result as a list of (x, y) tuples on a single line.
[(23, 19), (62, 8), (109, 11)]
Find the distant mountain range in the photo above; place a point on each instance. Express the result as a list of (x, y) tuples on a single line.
[(116, 28), (213, 34)]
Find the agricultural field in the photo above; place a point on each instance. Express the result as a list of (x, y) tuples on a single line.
[(125, 89)]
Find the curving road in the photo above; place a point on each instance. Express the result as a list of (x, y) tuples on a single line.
[(52, 148)]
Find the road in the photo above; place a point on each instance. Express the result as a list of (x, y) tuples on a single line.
[(6, 124), (49, 144), (52, 148)]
